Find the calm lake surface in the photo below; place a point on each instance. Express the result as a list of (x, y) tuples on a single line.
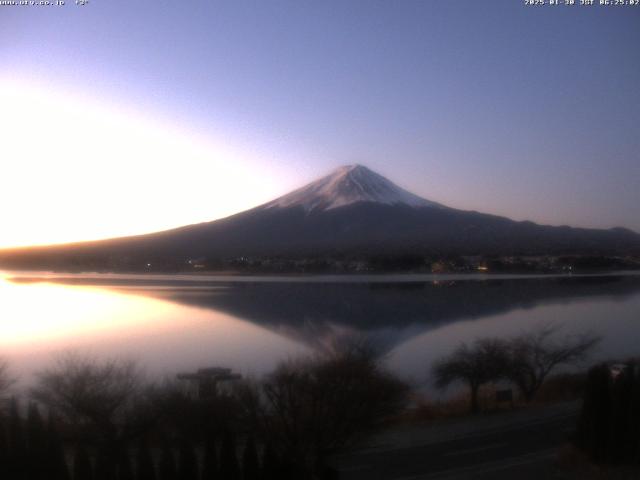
[(174, 323)]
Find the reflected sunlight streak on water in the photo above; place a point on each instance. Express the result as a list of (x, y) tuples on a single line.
[(39, 320), (47, 313)]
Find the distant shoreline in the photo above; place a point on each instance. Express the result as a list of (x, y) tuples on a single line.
[(204, 278)]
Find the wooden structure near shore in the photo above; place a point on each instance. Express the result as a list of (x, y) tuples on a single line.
[(204, 382)]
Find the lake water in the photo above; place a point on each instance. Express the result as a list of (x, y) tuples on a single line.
[(172, 323)]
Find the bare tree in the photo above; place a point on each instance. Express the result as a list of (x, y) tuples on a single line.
[(99, 396), (6, 380), (313, 407), (481, 362), (533, 355)]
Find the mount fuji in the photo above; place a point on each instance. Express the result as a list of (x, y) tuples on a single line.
[(352, 211)]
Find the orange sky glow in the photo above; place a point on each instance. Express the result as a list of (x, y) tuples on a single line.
[(76, 169)]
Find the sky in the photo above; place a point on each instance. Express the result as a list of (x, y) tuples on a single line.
[(120, 117)]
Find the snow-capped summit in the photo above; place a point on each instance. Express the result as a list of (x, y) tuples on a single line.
[(347, 185)]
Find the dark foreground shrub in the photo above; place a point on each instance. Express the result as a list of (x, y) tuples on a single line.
[(609, 423), (310, 409)]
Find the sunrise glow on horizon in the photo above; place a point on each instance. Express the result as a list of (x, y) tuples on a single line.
[(63, 311), (80, 170)]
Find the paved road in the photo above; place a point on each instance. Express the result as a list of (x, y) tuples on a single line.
[(523, 451)]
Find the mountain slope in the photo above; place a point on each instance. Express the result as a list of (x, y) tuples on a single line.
[(352, 210)]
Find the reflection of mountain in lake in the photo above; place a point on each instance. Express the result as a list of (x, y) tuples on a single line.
[(391, 312), (375, 305)]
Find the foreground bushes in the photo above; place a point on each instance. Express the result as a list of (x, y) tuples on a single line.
[(609, 423), (117, 427), (317, 407), (29, 450)]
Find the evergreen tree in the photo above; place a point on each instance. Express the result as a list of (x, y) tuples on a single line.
[(609, 423), (17, 462), (56, 463), (188, 462), (270, 464), (250, 463), (106, 464), (619, 441), (634, 418), (124, 470), (229, 469), (36, 444), (167, 470), (593, 424), (82, 469), (4, 448), (145, 466), (210, 461)]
